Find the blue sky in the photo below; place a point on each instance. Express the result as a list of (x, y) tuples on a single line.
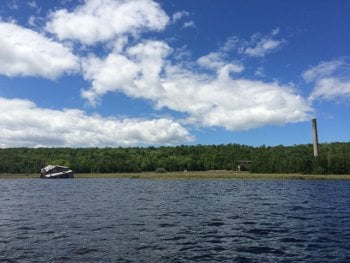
[(108, 73)]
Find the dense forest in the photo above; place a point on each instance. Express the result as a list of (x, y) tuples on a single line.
[(334, 159)]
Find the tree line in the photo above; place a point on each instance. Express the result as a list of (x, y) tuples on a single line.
[(334, 158)]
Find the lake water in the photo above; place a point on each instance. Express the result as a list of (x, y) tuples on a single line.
[(131, 220)]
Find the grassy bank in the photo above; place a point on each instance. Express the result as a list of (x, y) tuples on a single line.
[(193, 175), (19, 176), (216, 175)]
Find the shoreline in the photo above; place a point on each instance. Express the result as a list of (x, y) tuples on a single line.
[(191, 175)]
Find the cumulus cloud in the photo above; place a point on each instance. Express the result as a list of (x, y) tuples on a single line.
[(209, 91), (24, 124), (135, 73), (331, 79), (145, 71), (24, 52), (236, 104), (104, 20)]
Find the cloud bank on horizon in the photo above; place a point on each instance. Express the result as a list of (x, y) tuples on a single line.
[(116, 46)]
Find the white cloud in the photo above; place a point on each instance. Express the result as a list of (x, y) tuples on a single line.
[(324, 69), (331, 79), (189, 24), (104, 20), (142, 71), (31, 20), (135, 73), (213, 60), (262, 47), (258, 45), (232, 43), (21, 126), (275, 31), (179, 15), (235, 104), (216, 61), (24, 52), (145, 71), (32, 4), (331, 88)]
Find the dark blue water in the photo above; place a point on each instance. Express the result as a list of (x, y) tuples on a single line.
[(125, 220)]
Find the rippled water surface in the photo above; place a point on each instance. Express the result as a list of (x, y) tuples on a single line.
[(129, 220)]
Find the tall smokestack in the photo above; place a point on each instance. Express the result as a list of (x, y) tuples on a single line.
[(315, 137)]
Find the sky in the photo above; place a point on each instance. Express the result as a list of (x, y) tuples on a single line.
[(110, 73)]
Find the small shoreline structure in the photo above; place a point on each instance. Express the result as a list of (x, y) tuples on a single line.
[(56, 172)]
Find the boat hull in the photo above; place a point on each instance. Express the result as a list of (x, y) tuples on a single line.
[(59, 175)]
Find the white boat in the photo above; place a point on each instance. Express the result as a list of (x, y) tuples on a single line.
[(56, 171)]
